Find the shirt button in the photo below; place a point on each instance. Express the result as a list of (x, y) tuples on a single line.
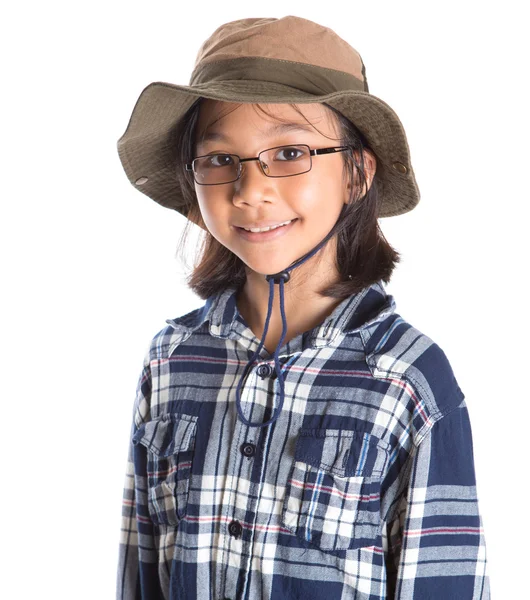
[(235, 528), (248, 449), (264, 371)]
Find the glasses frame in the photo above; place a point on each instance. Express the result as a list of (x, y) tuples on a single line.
[(312, 152)]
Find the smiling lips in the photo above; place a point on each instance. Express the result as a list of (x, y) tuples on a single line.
[(265, 226), (277, 231)]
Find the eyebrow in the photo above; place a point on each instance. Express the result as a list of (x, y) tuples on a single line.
[(277, 129)]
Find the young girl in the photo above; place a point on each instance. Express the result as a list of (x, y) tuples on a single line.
[(294, 437)]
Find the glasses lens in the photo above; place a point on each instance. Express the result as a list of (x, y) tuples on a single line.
[(216, 168), (284, 161)]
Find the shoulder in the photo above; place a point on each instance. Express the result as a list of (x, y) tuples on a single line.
[(402, 352)]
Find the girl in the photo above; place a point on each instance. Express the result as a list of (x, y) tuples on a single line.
[(294, 437)]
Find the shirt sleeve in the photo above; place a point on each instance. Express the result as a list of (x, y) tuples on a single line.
[(436, 543), (142, 570)]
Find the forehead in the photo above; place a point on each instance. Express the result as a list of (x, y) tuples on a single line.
[(230, 117)]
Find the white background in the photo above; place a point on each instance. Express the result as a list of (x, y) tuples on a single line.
[(90, 272)]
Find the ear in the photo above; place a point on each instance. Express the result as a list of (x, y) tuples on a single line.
[(370, 167)]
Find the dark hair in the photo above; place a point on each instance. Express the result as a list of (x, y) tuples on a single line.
[(362, 249)]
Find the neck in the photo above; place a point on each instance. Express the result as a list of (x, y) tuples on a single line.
[(304, 307)]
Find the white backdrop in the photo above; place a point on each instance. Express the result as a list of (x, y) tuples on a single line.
[(90, 270)]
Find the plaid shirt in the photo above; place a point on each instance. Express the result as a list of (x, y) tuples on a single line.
[(364, 488)]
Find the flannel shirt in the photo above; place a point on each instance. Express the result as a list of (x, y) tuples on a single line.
[(364, 488)]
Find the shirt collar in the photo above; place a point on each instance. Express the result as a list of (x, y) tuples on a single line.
[(355, 313)]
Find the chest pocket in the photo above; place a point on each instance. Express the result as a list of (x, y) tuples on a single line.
[(332, 497), (170, 443)]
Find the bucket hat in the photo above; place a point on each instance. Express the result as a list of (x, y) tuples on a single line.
[(268, 60)]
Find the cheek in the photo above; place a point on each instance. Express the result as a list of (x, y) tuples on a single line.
[(316, 194), (211, 210), (201, 197), (217, 217)]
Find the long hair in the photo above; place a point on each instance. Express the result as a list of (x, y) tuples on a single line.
[(362, 249)]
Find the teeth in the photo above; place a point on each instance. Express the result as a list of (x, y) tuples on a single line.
[(258, 230)]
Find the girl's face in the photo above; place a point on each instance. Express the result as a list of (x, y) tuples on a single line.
[(314, 199)]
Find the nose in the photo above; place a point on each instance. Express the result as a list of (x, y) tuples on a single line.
[(253, 184)]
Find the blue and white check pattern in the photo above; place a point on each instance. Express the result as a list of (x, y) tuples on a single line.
[(364, 488)]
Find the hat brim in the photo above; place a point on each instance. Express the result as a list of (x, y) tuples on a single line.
[(149, 161)]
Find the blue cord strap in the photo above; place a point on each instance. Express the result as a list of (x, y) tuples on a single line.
[(281, 279)]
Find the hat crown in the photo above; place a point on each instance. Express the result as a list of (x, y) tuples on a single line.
[(290, 38)]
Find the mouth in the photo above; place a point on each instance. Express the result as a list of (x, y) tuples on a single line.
[(263, 236)]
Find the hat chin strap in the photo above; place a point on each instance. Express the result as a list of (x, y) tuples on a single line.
[(281, 279)]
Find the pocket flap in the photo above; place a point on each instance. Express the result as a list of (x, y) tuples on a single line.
[(346, 453), (167, 434)]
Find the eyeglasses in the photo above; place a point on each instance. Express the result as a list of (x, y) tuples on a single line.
[(280, 161)]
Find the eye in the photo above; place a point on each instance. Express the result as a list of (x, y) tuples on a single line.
[(220, 160), (289, 153)]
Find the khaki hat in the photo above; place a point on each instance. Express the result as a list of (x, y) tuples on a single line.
[(268, 60)]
